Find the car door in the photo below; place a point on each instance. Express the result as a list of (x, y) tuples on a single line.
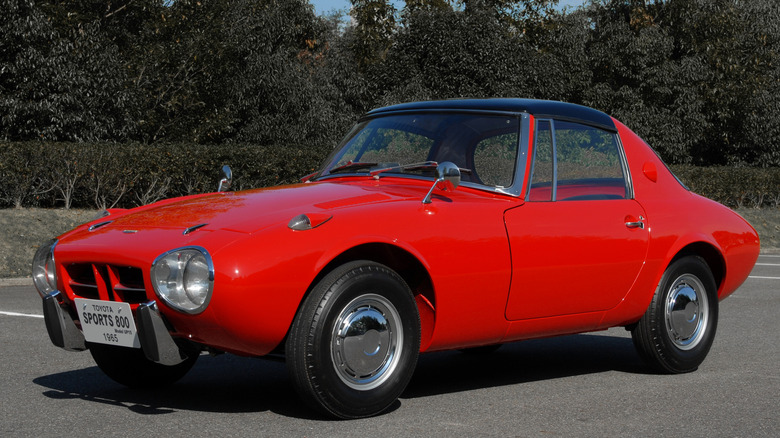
[(580, 239)]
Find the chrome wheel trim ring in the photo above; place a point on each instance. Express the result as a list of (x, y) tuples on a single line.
[(686, 312), (366, 342)]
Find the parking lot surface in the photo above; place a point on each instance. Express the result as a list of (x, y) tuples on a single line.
[(582, 385)]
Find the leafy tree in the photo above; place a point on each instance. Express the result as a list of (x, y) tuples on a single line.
[(416, 5), (63, 84), (278, 93), (637, 79), (240, 70), (737, 43), (450, 53), (375, 23)]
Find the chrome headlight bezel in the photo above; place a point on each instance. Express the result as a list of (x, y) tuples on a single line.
[(183, 278), (44, 269)]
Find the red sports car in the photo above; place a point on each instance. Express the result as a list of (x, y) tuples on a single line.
[(433, 226)]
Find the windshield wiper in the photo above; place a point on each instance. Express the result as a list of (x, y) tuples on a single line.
[(413, 166), (352, 166)]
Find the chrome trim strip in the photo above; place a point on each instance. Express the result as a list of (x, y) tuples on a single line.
[(516, 189), (627, 180), (98, 225), (193, 228), (555, 161)]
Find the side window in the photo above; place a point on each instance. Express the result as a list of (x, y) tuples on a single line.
[(575, 162), (588, 163), (542, 172), (494, 159)]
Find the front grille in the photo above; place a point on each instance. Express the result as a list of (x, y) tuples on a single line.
[(106, 282)]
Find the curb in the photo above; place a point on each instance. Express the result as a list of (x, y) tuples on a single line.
[(24, 281)]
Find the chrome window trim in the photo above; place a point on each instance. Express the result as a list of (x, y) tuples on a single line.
[(554, 182), (554, 139), (629, 182)]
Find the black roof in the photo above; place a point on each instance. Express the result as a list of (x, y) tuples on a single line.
[(539, 108)]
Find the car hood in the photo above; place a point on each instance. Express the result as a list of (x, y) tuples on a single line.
[(252, 210)]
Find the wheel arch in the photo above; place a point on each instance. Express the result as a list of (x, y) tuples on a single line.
[(711, 255), (406, 265)]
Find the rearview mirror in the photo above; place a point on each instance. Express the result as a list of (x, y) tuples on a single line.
[(227, 179), (447, 179)]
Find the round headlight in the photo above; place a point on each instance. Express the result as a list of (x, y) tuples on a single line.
[(44, 272), (184, 278), (197, 279)]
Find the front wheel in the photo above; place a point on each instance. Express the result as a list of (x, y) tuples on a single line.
[(676, 332), (353, 345)]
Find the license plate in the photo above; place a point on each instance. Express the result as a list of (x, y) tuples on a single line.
[(107, 322)]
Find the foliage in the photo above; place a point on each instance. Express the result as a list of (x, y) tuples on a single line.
[(59, 83), (698, 79), (735, 187), (444, 53), (375, 22), (97, 175)]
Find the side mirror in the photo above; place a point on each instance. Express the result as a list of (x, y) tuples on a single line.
[(227, 179), (447, 179)]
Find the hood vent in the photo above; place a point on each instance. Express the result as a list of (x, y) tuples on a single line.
[(193, 228), (98, 225)]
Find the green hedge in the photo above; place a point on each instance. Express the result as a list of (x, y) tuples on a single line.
[(100, 175), (734, 186)]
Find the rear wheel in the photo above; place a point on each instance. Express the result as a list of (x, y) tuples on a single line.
[(130, 367), (353, 345), (676, 332)]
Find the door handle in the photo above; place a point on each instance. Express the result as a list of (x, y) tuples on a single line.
[(638, 224)]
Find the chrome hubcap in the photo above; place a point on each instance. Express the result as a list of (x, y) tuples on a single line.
[(366, 342), (686, 312)]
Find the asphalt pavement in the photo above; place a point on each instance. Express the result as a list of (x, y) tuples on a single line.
[(582, 385)]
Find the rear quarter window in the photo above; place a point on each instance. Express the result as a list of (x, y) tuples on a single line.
[(587, 163)]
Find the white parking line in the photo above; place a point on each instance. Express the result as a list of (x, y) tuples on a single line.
[(29, 315), (764, 278), (767, 264)]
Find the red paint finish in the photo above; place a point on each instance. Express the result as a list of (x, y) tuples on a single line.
[(573, 257), (496, 268)]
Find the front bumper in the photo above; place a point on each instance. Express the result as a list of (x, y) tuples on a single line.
[(156, 342)]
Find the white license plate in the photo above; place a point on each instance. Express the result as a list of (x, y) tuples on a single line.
[(107, 322)]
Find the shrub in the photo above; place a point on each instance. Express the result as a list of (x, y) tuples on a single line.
[(102, 175), (734, 186)]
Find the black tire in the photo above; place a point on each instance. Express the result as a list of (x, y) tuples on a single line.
[(676, 332), (353, 345), (130, 367)]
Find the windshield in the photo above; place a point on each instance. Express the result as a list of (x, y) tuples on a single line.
[(407, 144)]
